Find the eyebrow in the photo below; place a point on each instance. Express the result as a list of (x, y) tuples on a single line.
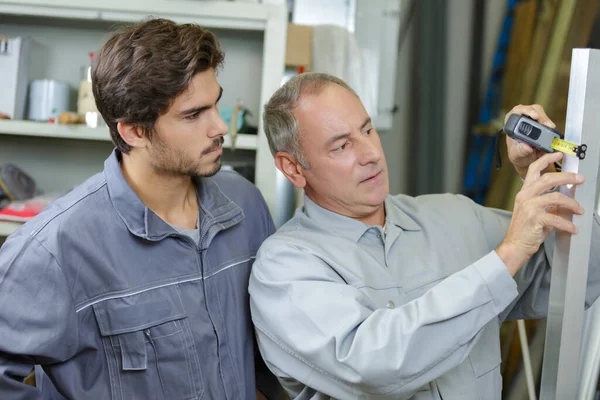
[(364, 124), (200, 109), (346, 135)]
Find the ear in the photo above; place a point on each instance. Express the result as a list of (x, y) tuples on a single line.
[(132, 134), (289, 166)]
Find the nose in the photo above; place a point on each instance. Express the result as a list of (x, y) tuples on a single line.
[(218, 126), (369, 150)]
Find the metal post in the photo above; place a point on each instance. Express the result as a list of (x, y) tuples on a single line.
[(560, 374), (590, 358)]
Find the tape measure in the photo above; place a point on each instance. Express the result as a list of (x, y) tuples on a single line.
[(539, 136), (569, 148)]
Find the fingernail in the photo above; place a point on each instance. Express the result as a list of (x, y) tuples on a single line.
[(579, 178), (581, 210)]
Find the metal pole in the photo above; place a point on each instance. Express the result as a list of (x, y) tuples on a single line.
[(590, 359), (526, 359), (560, 373)]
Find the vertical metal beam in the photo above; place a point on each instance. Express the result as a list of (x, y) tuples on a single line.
[(560, 374), (427, 154), (590, 358), (278, 193)]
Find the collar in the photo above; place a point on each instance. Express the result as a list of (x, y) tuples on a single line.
[(351, 228), (141, 221)]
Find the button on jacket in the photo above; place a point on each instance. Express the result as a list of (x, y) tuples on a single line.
[(349, 311), (115, 304)]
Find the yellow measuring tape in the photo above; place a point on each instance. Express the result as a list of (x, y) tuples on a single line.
[(569, 148)]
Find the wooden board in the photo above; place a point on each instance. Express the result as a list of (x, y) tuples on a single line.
[(544, 21), (521, 42), (519, 51), (579, 36)]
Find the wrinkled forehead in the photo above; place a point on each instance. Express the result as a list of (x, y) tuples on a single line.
[(330, 110)]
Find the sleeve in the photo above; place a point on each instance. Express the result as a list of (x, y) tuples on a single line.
[(533, 280), (37, 313), (314, 327), (266, 382), (268, 220)]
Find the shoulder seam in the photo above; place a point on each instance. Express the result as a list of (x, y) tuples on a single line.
[(42, 224)]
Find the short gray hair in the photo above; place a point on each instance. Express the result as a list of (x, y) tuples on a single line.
[(280, 124)]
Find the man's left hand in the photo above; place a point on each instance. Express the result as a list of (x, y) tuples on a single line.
[(521, 155)]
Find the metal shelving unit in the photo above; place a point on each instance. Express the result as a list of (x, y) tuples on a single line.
[(8, 227), (259, 29)]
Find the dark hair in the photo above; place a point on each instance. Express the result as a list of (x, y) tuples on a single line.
[(140, 70)]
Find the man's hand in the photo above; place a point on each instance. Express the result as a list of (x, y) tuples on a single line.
[(534, 214), (521, 155)]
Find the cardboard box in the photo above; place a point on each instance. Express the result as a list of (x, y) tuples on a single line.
[(299, 46)]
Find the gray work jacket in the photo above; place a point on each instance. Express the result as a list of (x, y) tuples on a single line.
[(115, 304), (349, 311)]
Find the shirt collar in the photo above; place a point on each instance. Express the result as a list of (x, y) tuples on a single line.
[(399, 217), (143, 222), (352, 228)]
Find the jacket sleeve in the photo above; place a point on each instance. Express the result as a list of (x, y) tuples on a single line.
[(38, 321), (314, 327), (533, 280)]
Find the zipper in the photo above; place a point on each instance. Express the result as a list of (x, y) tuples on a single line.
[(200, 253), (204, 231)]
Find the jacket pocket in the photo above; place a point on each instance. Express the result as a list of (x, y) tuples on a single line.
[(489, 384), (385, 297), (485, 361), (149, 346), (423, 287)]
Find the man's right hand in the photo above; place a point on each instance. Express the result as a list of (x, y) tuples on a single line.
[(534, 212)]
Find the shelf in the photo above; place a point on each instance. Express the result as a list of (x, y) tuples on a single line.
[(7, 227), (47, 130), (210, 14), (253, 33), (44, 129)]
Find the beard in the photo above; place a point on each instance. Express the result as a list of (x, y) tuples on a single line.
[(177, 162)]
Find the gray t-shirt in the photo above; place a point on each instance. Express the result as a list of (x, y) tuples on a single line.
[(194, 234)]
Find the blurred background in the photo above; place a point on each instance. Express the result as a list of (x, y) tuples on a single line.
[(437, 77)]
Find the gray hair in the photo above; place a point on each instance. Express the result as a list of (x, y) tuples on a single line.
[(280, 124)]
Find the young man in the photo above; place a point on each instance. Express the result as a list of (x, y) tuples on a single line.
[(393, 296), (134, 285)]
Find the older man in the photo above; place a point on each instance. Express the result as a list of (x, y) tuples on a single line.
[(367, 295)]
